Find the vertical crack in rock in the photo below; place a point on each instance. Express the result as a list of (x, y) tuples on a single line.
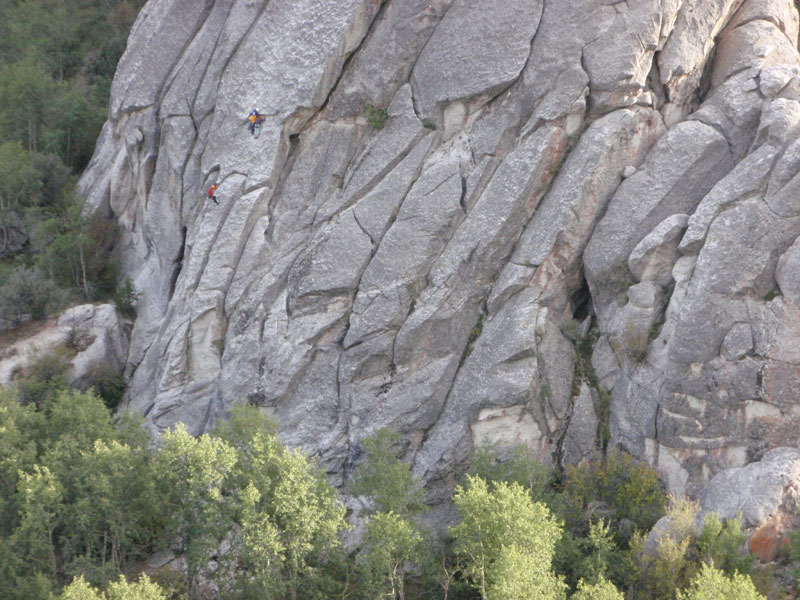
[(653, 151)]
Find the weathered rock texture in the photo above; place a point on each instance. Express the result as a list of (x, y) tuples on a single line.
[(543, 160)]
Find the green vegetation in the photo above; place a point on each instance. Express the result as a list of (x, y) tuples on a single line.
[(376, 117), (602, 590), (770, 295), (474, 334), (506, 542), (636, 342), (385, 479), (144, 589), (680, 553), (57, 60), (85, 498), (712, 584), (86, 501), (125, 298)]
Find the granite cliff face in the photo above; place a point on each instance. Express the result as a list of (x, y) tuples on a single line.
[(625, 171)]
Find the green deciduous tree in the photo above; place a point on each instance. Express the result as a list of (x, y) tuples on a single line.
[(144, 589), (192, 473), (26, 292), (601, 590), (626, 490), (712, 584), (521, 466), (112, 518), (25, 90), (41, 497), (17, 453), (390, 541), (79, 589), (520, 575), (20, 184), (386, 479), (504, 517), (669, 566), (289, 496)]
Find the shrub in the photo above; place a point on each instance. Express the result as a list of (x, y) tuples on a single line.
[(108, 383), (671, 565), (792, 552), (44, 377), (636, 341), (125, 298), (721, 544), (520, 467), (26, 292), (376, 117), (618, 487)]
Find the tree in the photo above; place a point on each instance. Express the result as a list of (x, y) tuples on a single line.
[(386, 479), (253, 567), (518, 575), (20, 186), (41, 496), (712, 584), (191, 474), (144, 589), (17, 454), (602, 590), (669, 566), (79, 590), (389, 542), (521, 467), (293, 499), (25, 89), (626, 490), (497, 520), (26, 293), (112, 514), (600, 551)]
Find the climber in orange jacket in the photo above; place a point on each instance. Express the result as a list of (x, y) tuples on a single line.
[(255, 119)]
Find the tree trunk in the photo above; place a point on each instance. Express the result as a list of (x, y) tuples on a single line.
[(83, 272)]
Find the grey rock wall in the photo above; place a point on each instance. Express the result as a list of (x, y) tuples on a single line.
[(543, 161)]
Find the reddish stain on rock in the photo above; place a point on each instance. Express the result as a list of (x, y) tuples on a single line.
[(766, 542)]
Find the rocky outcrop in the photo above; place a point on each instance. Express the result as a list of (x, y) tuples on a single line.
[(93, 336), (764, 494), (541, 162)]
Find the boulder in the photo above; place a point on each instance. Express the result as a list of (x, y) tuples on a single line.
[(765, 493)]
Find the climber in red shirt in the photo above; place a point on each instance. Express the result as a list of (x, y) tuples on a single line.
[(211, 191)]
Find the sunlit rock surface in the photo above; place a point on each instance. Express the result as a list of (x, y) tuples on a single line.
[(542, 162)]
